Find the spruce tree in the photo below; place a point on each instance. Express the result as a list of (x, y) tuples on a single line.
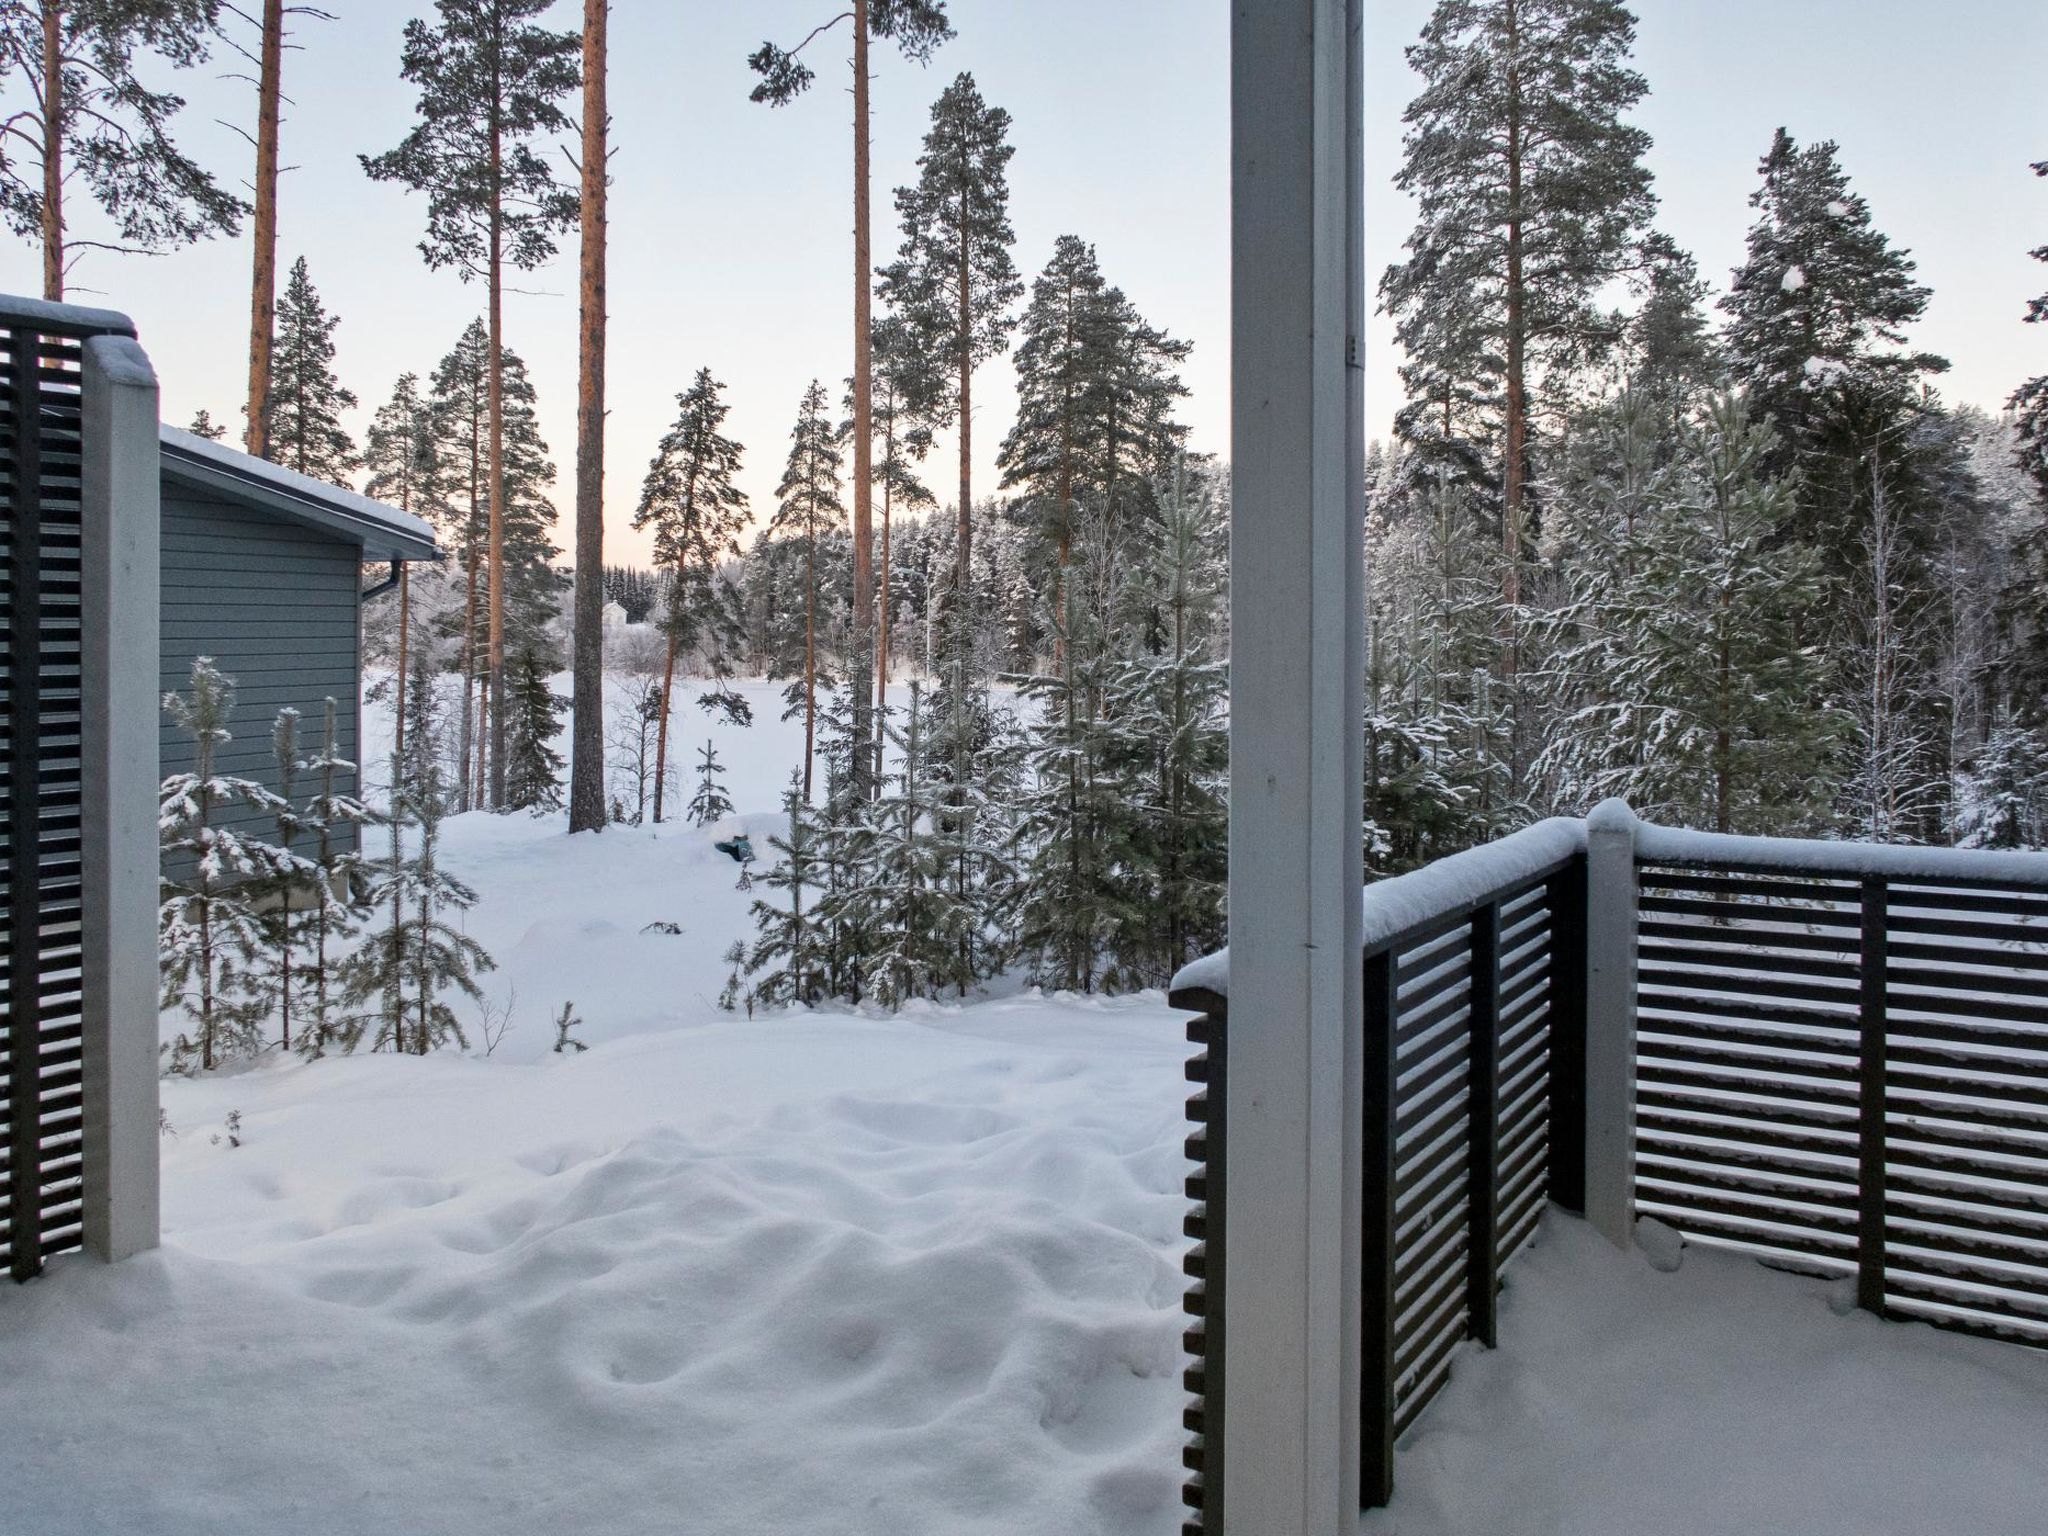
[(1172, 705), (338, 821), (203, 425), (2027, 600), (1822, 302), (1690, 690), (789, 954), (490, 80), (1434, 636), (692, 501), (87, 113), (397, 982), (287, 884), (917, 925), (953, 281), (1096, 392), (2007, 802), (710, 802), (210, 938), (304, 432), (533, 768), (459, 400), (1076, 818), (400, 453), (808, 510)]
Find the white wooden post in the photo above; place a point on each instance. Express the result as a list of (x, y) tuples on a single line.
[(1290, 1458), (1611, 1021), (120, 537)]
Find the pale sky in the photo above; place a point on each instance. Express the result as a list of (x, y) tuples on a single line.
[(731, 223)]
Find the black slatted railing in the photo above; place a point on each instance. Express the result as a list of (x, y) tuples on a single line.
[(1845, 1069), (42, 1089), (1473, 1118)]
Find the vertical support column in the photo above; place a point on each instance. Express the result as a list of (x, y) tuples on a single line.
[(1567, 1023), (1297, 769), (1611, 1022), (1482, 1288), (1870, 1097), (120, 537)]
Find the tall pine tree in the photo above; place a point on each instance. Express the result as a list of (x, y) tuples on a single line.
[(89, 114), (490, 80), (305, 400), (808, 510), (401, 455), (1531, 198), (693, 502), (953, 281)]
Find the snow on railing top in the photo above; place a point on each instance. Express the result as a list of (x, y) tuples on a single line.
[(1675, 845), (1407, 901)]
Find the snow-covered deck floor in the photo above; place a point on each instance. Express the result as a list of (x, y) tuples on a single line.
[(1723, 1399)]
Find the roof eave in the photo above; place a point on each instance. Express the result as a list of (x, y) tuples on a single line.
[(379, 542)]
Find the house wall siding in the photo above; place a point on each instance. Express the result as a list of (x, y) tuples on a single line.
[(277, 607)]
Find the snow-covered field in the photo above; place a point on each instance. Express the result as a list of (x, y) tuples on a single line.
[(848, 1274)]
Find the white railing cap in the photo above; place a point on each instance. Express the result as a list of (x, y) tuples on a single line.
[(1402, 902)]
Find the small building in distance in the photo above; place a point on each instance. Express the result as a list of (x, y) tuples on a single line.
[(263, 571)]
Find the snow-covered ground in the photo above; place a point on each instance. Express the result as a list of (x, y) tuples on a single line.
[(849, 1274)]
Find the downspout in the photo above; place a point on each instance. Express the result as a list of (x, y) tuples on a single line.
[(382, 587)]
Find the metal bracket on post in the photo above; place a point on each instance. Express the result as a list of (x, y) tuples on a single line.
[(119, 538), (1611, 938)]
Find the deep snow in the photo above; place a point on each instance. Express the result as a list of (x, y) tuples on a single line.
[(849, 1274)]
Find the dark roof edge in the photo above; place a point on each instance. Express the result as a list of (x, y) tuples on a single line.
[(346, 514)]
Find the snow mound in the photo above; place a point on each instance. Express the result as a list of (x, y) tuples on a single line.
[(828, 1274)]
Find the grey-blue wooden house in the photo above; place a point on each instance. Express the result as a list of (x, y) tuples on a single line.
[(263, 570)]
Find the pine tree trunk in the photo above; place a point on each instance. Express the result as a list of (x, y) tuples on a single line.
[(810, 652), (53, 157), (404, 633), (586, 731), (466, 744), (396, 992), (966, 539), (882, 627), (863, 395), (1514, 469), (668, 686), (495, 657), (263, 227)]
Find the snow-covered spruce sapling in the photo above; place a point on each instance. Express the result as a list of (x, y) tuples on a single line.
[(338, 902), (566, 1024), (211, 942), (287, 889), (396, 981), (710, 803), (533, 768), (789, 959), (906, 895)]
